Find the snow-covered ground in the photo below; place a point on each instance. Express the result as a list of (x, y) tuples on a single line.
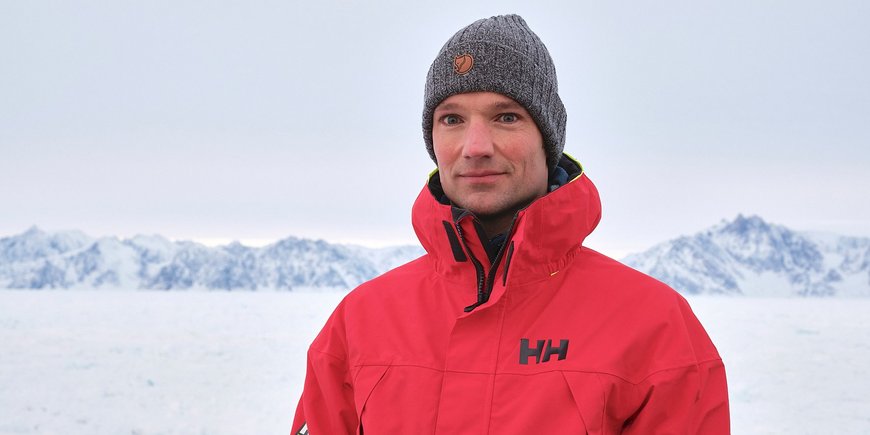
[(98, 362)]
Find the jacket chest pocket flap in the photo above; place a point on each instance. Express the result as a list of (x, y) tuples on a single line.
[(364, 383), (591, 399)]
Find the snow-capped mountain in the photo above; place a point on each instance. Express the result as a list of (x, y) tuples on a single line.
[(748, 256), (36, 259), (745, 256)]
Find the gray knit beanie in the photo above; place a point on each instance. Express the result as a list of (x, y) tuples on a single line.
[(499, 54)]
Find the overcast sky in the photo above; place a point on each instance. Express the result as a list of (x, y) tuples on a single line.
[(257, 120)]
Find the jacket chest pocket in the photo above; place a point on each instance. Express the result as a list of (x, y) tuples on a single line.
[(604, 402), (536, 403), (364, 383), (396, 399)]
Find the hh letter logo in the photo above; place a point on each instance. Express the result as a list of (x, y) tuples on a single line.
[(543, 351)]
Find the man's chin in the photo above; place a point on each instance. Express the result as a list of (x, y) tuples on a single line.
[(494, 211), (479, 206)]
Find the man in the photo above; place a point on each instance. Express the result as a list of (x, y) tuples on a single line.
[(509, 325)]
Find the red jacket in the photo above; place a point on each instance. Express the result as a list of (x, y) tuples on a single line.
[(567, 342)]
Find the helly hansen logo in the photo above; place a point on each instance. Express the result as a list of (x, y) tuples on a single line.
[(543, 351)]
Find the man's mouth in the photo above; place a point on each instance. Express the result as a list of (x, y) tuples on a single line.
[(481, 174)]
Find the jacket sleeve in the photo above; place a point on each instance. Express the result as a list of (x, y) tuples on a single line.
[(327, 403), (690, 398)]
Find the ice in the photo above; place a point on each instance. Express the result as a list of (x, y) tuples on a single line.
[(794, 366), (183, 362), (97, 362)]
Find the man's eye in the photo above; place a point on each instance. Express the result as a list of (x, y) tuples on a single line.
[(508, 117), (450, 119)]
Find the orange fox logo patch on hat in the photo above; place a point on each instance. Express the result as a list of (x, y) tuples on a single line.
[(463, 63)]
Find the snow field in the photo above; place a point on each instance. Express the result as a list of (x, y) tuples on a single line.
[(147, 362), (98, 362), (794, 366)]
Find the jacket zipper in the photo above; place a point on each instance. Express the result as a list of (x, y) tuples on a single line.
[(481, 280), (485, 283)]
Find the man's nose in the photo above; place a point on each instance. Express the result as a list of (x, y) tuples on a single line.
[(477, 140)]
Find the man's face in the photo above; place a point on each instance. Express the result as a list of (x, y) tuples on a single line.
[(490, 153)]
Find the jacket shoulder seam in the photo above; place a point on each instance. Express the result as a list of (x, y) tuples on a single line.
[(323, 352), (621, 377), (684, 366)]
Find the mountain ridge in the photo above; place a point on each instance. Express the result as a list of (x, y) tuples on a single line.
[(36, 259), (746, 256), (749, 256)]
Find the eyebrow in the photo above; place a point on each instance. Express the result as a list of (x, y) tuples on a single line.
[(506, 105), (499, 105)]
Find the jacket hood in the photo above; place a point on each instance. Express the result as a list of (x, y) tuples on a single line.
[(545, 235)]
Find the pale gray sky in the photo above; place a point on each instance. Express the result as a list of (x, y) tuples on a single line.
[(222, 120)]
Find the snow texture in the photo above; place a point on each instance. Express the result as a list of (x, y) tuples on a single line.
[(95, 362), (751, 257), (38, 260)]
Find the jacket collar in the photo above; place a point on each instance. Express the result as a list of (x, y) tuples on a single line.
[(545, 235)]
